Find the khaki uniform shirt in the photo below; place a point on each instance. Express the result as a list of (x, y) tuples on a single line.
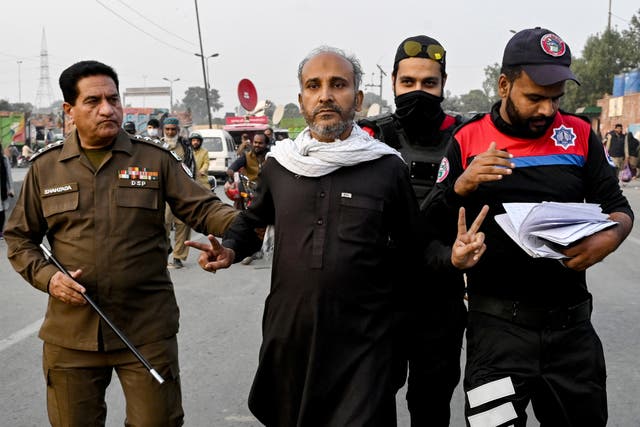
[(253, 166), (202, 166), (108, 222)]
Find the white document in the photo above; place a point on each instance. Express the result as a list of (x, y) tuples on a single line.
[(539, 227)]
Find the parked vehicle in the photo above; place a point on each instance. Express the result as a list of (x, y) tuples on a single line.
[(221, 150)]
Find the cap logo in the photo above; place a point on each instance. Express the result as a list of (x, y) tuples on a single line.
[(552, 45)]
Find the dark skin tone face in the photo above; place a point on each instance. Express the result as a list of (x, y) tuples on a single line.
[(97, 112), (418, 74), (259, 144), (328, 98), (528, 105)]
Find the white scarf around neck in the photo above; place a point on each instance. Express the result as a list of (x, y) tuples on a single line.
[(307, 156)]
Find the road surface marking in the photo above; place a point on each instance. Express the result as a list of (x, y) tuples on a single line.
[(20, 335), (241, 418)]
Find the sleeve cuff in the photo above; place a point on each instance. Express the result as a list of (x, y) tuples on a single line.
[(43, 276)]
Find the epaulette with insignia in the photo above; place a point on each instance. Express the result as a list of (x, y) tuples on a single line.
[(46, 148), (150, 141), (156, 143)]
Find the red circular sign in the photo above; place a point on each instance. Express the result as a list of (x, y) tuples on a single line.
[(247, 94)]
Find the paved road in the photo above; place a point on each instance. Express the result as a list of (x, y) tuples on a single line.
[(220, 337)]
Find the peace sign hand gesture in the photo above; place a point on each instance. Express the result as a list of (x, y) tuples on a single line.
[(469, 245)]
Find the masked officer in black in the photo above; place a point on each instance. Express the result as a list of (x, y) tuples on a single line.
[(431, 323)]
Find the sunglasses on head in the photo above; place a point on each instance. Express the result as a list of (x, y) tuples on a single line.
[(433, 51)]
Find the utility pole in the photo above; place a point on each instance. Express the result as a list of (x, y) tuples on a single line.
[(382, 73), (379, 86), (19, 83), (609, 20), (204, 72)]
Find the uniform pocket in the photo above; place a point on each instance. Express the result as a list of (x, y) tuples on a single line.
[(59, 203), (360, 218), (145, 198)]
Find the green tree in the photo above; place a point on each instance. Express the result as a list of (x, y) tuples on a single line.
[(475, 101), (19, 107), (451, 103), (291, 111), (195, 101), (604, 56), (490, 82)]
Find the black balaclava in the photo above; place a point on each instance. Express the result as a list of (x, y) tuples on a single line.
[(420, 112)]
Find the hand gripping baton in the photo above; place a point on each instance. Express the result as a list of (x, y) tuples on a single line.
[(114, 328)]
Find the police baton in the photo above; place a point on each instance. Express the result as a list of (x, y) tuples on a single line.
[(114, 328)]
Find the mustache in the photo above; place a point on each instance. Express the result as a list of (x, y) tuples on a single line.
[(330, 107)]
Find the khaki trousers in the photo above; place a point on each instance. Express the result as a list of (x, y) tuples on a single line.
[(182, 234), (77, 381)]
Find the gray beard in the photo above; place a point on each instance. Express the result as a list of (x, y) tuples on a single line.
[(330, 132), (171, 142)]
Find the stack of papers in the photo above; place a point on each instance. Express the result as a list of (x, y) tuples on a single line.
[(541, 228)]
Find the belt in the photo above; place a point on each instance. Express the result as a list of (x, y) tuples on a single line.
[(532, 317)]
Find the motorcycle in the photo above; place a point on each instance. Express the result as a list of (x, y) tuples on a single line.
[(241, 191), (22, 162)]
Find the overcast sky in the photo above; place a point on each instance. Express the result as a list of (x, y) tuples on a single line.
[(264, 41)]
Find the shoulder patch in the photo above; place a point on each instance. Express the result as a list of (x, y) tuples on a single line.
[(46, 148), (155, 142)]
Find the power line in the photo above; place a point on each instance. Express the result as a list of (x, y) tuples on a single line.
[(153, 23), (141, 30)]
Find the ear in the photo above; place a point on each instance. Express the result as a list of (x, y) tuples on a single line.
[(300, 101), (68, 109), (393, 84), (503, 86), (359, 100)]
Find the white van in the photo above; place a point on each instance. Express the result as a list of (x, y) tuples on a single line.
[(221, 150)]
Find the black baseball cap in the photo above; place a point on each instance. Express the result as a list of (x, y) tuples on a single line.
[(420, 46), (543, 55)]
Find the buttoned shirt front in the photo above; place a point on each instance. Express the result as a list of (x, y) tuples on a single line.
[(109, 222)]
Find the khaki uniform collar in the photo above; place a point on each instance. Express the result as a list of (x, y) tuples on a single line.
[(71, 147)]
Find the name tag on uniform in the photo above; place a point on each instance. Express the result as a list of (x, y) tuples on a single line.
[(60, 189), (346, 195)]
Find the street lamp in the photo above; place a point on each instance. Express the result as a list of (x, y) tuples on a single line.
[(19, 83), (213, 55), (171, 91)]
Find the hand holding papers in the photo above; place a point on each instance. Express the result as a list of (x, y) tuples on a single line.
[(538, 228)]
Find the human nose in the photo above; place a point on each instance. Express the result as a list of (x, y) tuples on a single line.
[(106, 108), (326, 94), (546, 107)]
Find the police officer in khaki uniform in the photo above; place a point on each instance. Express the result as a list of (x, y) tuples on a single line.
[(99, 198)]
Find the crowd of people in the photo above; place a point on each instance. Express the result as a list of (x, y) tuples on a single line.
[(380, 235)]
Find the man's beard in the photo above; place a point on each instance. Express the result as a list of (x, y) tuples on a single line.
[(331, 131), (171, 141), (526, 126)]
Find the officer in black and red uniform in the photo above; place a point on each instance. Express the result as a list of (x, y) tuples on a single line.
[(529, 335), (432, 320)]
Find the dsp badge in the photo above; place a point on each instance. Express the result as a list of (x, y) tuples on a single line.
[(135, 176)]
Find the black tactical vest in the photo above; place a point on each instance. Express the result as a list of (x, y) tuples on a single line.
[(423, 159)]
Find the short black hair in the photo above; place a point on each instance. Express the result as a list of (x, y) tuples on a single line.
[(511, 72), (154, 122), (71, 76)]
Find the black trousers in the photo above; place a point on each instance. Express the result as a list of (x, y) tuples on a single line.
[(559, 369), (430, 343)]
